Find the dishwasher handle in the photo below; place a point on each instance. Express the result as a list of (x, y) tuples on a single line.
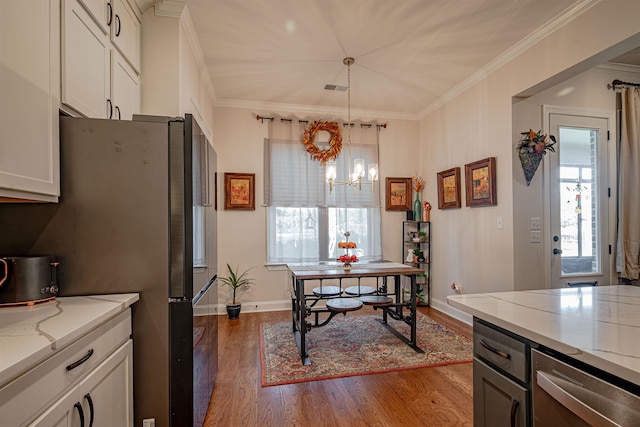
[(572, 403)]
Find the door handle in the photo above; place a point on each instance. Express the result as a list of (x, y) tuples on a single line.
[(78, 408), (90, 400), (557, 251), (514, 412)]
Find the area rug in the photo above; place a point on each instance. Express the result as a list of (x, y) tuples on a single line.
[(356, 345), (198, 332)]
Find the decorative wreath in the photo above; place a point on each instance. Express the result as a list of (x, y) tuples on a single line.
[(335, 143)]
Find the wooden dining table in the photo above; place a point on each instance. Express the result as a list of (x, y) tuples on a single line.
[(318, 293)]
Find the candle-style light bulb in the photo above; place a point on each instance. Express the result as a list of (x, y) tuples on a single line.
[(331, 173), (373, 171), (358, 167)]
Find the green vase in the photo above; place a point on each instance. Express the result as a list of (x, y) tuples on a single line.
[(417, 209)]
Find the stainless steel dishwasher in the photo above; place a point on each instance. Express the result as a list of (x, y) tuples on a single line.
[(564, 395)]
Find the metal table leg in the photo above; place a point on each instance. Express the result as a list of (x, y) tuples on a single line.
[(301, 313), (413, 304)]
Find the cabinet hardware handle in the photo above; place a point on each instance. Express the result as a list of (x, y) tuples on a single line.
[(118, 26), (110, 14), (77, 363), (514, 411), (118, 111), (78, 407), (110, 108), (495, 350), (90, 400)]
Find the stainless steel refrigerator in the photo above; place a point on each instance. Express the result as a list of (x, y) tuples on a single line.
[(137, 214)]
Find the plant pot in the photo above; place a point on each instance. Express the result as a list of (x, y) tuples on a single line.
[(530, 163), (233, 311)]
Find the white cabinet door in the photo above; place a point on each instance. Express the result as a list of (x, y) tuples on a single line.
[(125, 88), (125, 32), (85, 62), (105, 395), (102, 12), (29, 99)]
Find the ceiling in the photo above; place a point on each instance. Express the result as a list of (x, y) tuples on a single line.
[(408, 53)]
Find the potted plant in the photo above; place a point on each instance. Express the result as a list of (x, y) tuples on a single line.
[(416, 254), (531, 148), (422, 236), (236, 280)]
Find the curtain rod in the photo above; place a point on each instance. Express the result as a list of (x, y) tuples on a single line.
[(262, 119), (617, 82)]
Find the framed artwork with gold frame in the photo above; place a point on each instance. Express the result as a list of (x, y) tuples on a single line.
[(449, 189), (398, 197), (480, 182), (239, 191)]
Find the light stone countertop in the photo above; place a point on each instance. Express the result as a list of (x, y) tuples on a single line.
[(31, 334), (596, 325)]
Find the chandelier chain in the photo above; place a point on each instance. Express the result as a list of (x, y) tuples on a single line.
[(349, 103)]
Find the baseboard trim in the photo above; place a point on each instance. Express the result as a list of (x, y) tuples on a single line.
[(247, 307), (285, 305), (451, 311)]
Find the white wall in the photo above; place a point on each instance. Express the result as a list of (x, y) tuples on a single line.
[(242, 234), (174, 79), (585, 91), (468, 247)]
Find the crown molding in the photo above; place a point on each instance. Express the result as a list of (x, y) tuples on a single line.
[(609, 67), (169, 8), (313, 110), (542, 32)]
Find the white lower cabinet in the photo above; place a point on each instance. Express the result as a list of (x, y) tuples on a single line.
[(92, 376), (103, 398)]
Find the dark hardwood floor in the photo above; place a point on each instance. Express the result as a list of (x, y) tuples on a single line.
[(438, 396)]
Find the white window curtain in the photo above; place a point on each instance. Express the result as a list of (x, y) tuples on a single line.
[(628, 260), (305, 222)]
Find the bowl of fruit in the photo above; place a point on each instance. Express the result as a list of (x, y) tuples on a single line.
[(348, 259)]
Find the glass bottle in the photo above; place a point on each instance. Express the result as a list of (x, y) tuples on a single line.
[(417, 208)]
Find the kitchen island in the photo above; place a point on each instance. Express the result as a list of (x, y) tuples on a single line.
[(555, 357), (599, 326)]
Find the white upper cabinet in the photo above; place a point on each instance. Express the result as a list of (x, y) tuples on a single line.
[(125, 32), (100, 58), (85, 62), (29, 99), (125, 87), (101, 11)]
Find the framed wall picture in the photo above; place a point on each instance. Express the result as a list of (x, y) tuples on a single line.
[(239, 191), (480, 182), (398, 196), (449, 189)]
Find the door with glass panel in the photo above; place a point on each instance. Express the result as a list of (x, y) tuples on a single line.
[(579, 195)]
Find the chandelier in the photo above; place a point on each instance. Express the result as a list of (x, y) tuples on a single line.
[(357, 174)]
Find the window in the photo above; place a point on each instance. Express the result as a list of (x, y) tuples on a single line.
[(304, 221)]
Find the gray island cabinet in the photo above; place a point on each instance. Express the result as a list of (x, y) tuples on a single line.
[(563, 356)]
